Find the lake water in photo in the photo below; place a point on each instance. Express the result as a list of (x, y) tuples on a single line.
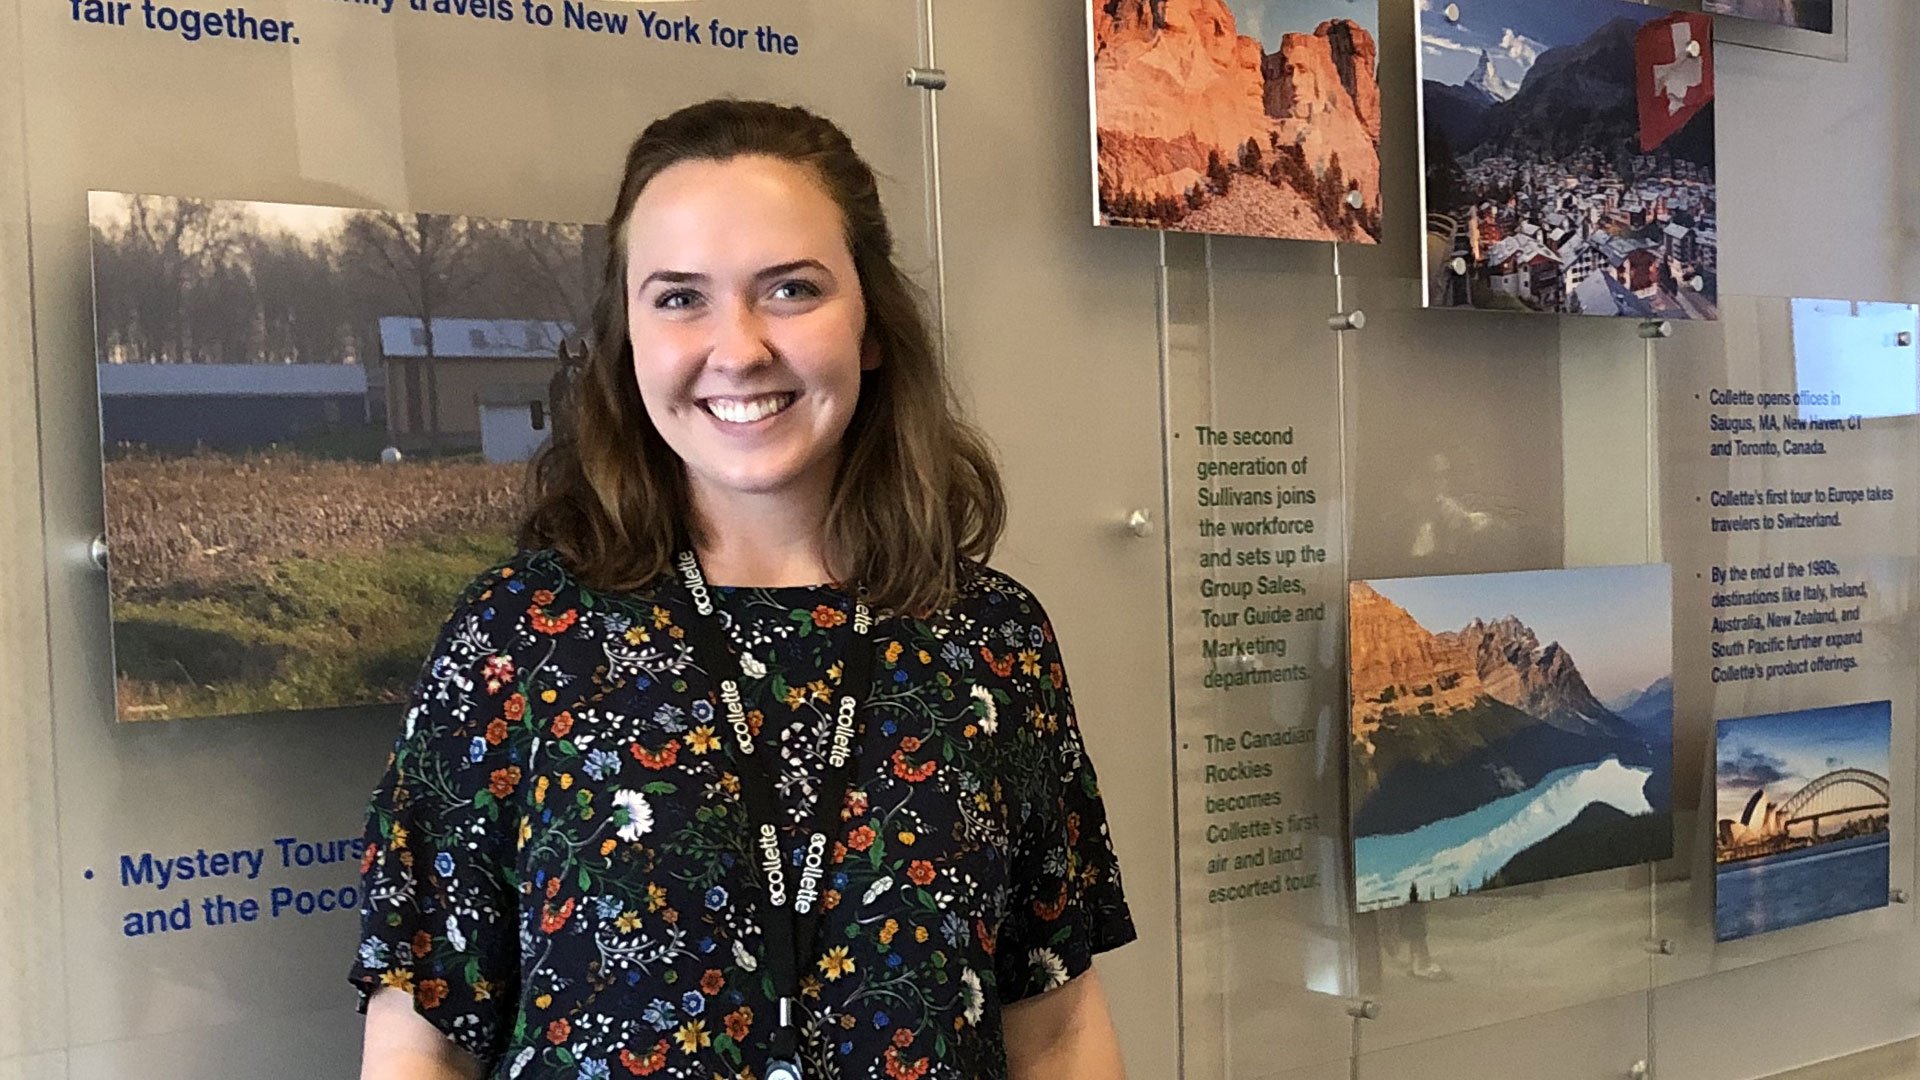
[(1463, 852), (1798, 887)]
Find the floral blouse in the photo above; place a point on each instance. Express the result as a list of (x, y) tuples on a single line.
[(558, 867)]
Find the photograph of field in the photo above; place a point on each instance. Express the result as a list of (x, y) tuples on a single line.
[(1804, 805), (1508, 728), (1243, 117), (1568, 150), (1815, 15), (315, 424)]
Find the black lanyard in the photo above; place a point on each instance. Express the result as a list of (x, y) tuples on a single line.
[(789, 920)]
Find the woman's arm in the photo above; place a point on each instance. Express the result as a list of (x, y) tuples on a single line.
[(1064, 1034), (401, 1045)]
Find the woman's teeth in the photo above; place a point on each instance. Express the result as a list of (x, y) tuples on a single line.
[(746, 410)]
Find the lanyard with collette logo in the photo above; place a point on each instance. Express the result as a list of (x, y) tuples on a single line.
[(789, 922)]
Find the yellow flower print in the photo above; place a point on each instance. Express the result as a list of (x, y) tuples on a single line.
[(399, 838), (810, 986), (926, 657), (402, 978), (628, 922), (549, 696), (796, 697), (1029, 662), (566, 781), (540, 791), (920, 934), (818, 688), (543, 1001), (526, 831), (637, 636), (836, 963), (482, 990), (905, 837), (693, 1035), (607, 846), (703, 740), (662, 618), (656, 897), (893, 652), (888, 931), (834, 672)]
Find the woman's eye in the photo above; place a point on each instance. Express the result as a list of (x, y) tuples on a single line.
[(795, 290), (675, 300)]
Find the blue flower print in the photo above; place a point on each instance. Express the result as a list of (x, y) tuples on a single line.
[(692, 1003), (716, 898), (660, 1014), (443, 864)]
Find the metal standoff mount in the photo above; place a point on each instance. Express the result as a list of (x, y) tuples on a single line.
[(927, 78), (1639, 1070), (1458, 266), (1356, 200), (1656, 328), (1900, 896), (1452, 12), (1140, 522), (97, 551), (1693, 49), (1367, 1009), (1662, 947), (1343, 321), (1904, 339)]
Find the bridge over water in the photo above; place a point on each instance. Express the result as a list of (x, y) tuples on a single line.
[(1840, 793)]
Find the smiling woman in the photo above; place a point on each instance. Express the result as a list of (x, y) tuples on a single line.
[(666, 802)]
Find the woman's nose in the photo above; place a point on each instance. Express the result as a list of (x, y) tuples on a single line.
[(740, 338)]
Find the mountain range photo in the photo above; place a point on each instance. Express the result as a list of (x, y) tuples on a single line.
[(1485, 756), (1243, 117), (1569, 158)]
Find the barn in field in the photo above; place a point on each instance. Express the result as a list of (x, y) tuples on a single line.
[(489, 377), (229, 407)]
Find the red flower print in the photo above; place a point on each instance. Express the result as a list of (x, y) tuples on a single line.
[(739, 1023), (552, 920), (668, 754), (431, 993), (1053, 911), (899, 1070), (989, 941), (921, 872), (902, 1038), (562, 724), (1056, 675), (367, 857), (553, 887), (861, 839), (552, 625), (422, 943), (1073, 828), (542, 597), (516, 707), (558, 1031), (826, 618), (1001, 667), (504, 781), (912, 774), (653, 1062), (1046, 630), (497, 731), (910, 744), (712, 982)]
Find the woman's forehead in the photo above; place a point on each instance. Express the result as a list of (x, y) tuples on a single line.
[(745, 210)]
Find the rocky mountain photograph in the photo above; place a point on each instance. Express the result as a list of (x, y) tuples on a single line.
[(1569, 158), (1242, 117), (1485, 756)]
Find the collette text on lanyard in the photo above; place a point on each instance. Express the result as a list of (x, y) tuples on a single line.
[(790, 920)]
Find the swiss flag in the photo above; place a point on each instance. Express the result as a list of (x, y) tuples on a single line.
[(1674, 84)]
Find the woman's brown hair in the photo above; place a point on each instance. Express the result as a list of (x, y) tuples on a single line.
[(917, 489)]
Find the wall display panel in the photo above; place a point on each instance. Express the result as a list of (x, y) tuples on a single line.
[(1785, 505), (1569, 158), (1507, 729), (1803, 813), (399, 110), (1486, 446), (1813, 15), (1254, 529), (315, 423), (1244, 117)]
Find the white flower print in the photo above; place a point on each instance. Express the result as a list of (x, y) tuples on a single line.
[(752, 668), (975, 998), (1048, 966), (985, 709), (639, 815)]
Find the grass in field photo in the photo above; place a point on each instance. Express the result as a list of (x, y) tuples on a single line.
[(315, 424)]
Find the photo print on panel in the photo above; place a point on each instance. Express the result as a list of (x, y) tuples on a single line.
[(1508, 728), (1239, 117), (1814, 15), (1803, 810), (1568, 150), (315, 424)]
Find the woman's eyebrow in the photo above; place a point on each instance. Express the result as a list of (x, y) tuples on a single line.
[(786, 268), (673, 277)]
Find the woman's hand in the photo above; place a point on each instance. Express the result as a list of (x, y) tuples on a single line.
[(1064, 1034), (401, 1045)]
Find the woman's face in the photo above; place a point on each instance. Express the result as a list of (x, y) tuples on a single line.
[(748, 325)]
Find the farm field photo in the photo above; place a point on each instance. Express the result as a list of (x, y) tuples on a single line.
[(1243, 117), (315, 424), (1568, 150), (1508, 728), (1803, 807), (1815, 15)]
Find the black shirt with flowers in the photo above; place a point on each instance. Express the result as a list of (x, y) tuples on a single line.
[(558, 867)]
